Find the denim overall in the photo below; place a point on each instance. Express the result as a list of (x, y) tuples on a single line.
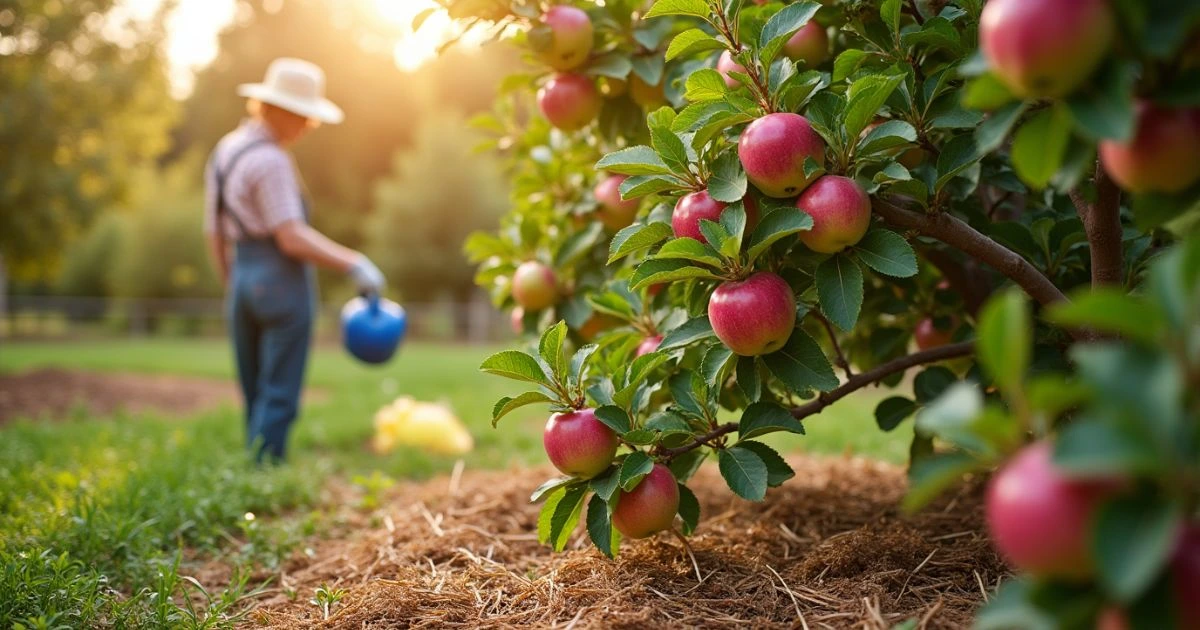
[(271, 307)]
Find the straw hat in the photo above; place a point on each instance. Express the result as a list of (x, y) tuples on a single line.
[(297, 86)]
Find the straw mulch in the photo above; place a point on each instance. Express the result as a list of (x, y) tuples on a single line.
[(829, 549)]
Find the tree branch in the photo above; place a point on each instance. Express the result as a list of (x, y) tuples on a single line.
[(959, 235), (965, 277), (671, 453), (1102, 223), (841, 356)]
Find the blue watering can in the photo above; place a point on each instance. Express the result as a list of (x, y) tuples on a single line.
[(372, 328)]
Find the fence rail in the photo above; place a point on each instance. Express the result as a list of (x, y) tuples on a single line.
[(41, 317)]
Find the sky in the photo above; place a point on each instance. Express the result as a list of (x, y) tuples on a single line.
[(192, 32)]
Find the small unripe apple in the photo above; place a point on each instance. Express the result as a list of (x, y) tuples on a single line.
[(648, 96), (648, 345), (1045, 48), (569, 101), (773, 149), (1185, 577), (650, 507), (725, 65), (841, 213), (753, 316), (1041, 520), (517, 319), (615, 213), (579, 444), (1162, 156), (534, 286), (690, 210), (928, 335), (612, 88), (810, 44), (571, 40)]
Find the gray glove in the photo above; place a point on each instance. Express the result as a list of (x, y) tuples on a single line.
[(366, 276)]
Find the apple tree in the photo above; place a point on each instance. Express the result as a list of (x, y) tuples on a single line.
[(728, 215)]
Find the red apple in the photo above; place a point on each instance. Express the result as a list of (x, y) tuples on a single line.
[(773, 150), (578, 444), (571, 40), (648, 96), (517, 319), (648, 345), (1185, 577), (1112, 618), (929, 335), (690, 210), (1163, 155), (753, 316), (569, 101), (534, 286), (725, 65), (650, 507), (615, 213), (841, 213), (1045, 48), (655, 289), (810, 44), (1040, 520)]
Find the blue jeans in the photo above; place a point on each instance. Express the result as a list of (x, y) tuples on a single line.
[(272, 305)]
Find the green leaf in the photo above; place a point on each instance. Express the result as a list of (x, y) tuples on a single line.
[(801, 365), (605, 484), (637, 237), (614, 64), (1110, 310), (986, 92), (658, 271), (957, 154), (507, 404), (728, 181), (1003, 339), (888, 135), (932, 382), (761, 418), (840, 289), (868, 94), (782, 26), (565, 517), (890, 12), (953, 415), (690, 42), (638, 160), (930, 476), (748, 379), (640, 437), (690, 249), (577, 245), (776, 225), (694, 330), (778, 470), (641, 185), (697, 8), (1041, 144), (580, 359), (1134, 538), (599, 526), (714, 233), (549, 486), (715, 364), (890, 412), (689, 509), (744, 471), (670, 148), (1103, 109), (636, 466), (551, 349), (686, 465), (1015, 606), (668, 423), (1091, 447), (705, 85), (517, 366), (847, 62), (547, 513), (681, 393), (991, 132), (614, 418), (888, 253)]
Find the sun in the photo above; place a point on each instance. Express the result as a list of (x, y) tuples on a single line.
[(414, 49)]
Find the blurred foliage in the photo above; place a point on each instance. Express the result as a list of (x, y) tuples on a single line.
[(87, 266)]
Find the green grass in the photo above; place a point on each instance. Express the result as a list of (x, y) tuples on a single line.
[(90, 507)]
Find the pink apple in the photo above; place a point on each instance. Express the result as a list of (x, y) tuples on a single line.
[(928, 335), (1045, 48), (841, 213), (517, 319), (615, 213), (534, 286), (569, 101), (773, 149), (650, 97), (1163, 155), (650, 507), (578, 444), (810, 44), (1040, 520), (753, 316), (571, 39), (690, 210), (1185, 577), (648, 345), (725, 65)]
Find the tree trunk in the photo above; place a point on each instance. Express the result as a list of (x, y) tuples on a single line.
[(3, 289)]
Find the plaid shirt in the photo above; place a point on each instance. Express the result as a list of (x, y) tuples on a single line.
[(263, 190)]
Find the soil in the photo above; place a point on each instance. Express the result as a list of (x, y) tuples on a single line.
[(829, 549), (56, 394)]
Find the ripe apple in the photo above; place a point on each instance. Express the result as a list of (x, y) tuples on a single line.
[(648, 96), (841, 213), (773, 150), (578, 444), (928, 335), (1045, 48), (615, 213), (534, 286), (650, 507), (725, 65), (753, 316), (569, 101), (596, 324), (571, 39), (810, 44), (690, 209), (1185, 576), (1041, 520), (1163, 155), (517, 319), (648, 345), (1112, 618)]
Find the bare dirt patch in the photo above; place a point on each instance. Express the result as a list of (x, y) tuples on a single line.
[(827, 550), (54, 393)]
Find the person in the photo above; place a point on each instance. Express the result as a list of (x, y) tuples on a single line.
[(254, 206)]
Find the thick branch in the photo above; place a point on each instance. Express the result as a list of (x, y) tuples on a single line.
[(881, 372), (1102, 223), (959, 235)]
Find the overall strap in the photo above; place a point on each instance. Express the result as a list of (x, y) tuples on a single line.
[(221, 176)]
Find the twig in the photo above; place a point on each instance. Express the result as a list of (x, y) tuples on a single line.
[(841, 357), (1102, 223), (914, 572), (688, 548), (792, 595), (728, 427)]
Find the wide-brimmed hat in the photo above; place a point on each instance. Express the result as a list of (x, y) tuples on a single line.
[(297, 86)]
